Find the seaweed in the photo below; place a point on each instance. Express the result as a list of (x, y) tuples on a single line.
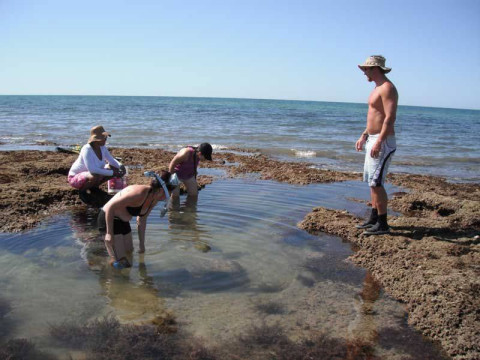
[(106, 338), (22, 349)]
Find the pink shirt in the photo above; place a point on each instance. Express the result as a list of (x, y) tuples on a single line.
[(186, 170)]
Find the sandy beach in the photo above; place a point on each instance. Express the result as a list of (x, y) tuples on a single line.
[(430, 261)]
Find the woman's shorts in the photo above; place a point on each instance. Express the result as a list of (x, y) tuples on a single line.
[(375, 169), (120, 227), (77, 181)]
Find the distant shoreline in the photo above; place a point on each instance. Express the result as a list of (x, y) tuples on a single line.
[(242, 98)]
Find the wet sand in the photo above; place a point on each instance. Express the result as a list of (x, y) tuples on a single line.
[(430, 261)]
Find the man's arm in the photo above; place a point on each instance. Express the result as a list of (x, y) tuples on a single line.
[(389, 100), (361, 140)]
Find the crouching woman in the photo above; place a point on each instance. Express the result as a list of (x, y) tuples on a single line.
[(89, 170), (134, 200)]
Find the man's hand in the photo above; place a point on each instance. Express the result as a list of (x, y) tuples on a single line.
[(376, 148), (360, 142), (108, 237)]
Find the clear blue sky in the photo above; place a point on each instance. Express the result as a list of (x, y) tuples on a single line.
[(300, 50)]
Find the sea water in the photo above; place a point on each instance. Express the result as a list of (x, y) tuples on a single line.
[(433, 141), (234, 260)]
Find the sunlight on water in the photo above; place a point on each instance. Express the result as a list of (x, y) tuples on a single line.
[(234, 259), (319, 132)]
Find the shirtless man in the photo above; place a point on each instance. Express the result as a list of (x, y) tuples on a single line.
[(379, 141)]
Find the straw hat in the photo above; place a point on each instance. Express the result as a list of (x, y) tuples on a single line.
[(98, 133), (375, 60)]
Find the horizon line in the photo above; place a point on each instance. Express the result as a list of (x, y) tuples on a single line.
[(240, 98)]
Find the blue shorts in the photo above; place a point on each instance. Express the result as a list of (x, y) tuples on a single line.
[(375, 169)]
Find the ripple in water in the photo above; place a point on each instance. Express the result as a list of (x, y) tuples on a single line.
[(233, 260)]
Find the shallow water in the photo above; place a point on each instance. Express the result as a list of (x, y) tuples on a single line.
[(235, 260)]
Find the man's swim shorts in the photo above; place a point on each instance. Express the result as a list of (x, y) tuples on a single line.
[(375, 169)]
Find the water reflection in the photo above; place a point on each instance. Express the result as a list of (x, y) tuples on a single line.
[(183, 222), (135, 298), (365, 327), (253, 265), (260, 268)]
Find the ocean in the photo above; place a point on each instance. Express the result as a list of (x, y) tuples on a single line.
[(433, 141), (236, 259)]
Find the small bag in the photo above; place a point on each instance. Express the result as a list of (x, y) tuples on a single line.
[(118, 183)]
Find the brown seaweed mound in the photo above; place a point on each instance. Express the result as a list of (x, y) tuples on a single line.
[(430, 261)]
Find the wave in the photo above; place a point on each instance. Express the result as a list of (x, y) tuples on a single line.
[(12, 138), (304, 153)]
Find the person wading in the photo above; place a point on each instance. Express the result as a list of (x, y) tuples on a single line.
[(185, 164)]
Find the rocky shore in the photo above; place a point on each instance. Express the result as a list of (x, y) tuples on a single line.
[(430, 261)]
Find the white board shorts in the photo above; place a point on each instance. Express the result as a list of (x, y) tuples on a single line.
[(375, 169)]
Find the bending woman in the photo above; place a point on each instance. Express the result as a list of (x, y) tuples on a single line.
[(134, 200), (89, 169), (185, 164)]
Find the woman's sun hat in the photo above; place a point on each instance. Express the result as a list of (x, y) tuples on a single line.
[(98, 133), (375, 60)]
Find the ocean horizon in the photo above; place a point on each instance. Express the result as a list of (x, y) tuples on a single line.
[(240, 98), (234, 98), (431, 141)]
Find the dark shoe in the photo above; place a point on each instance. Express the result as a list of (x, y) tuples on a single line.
[(94, 197), (84, 196), (377, 229), (101, 197), (372, 220), (365, 225)]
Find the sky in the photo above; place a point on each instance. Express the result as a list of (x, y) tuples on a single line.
[(295, 50)]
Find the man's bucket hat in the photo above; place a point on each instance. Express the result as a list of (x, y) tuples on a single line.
[(375, 60)]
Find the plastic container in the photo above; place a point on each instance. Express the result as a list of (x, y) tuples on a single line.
[(116, 184)]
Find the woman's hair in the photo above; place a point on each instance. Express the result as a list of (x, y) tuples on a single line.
[(165, 176)]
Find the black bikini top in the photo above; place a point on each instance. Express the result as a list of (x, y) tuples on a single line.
[(136, 210)]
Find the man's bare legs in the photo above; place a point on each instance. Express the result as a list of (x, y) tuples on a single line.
[(379, 199)]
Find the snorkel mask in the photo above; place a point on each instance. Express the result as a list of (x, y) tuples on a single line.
[(172, 181)]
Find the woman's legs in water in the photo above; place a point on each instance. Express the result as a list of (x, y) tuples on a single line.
[(128, 243), (192, 193), (192, 186)]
